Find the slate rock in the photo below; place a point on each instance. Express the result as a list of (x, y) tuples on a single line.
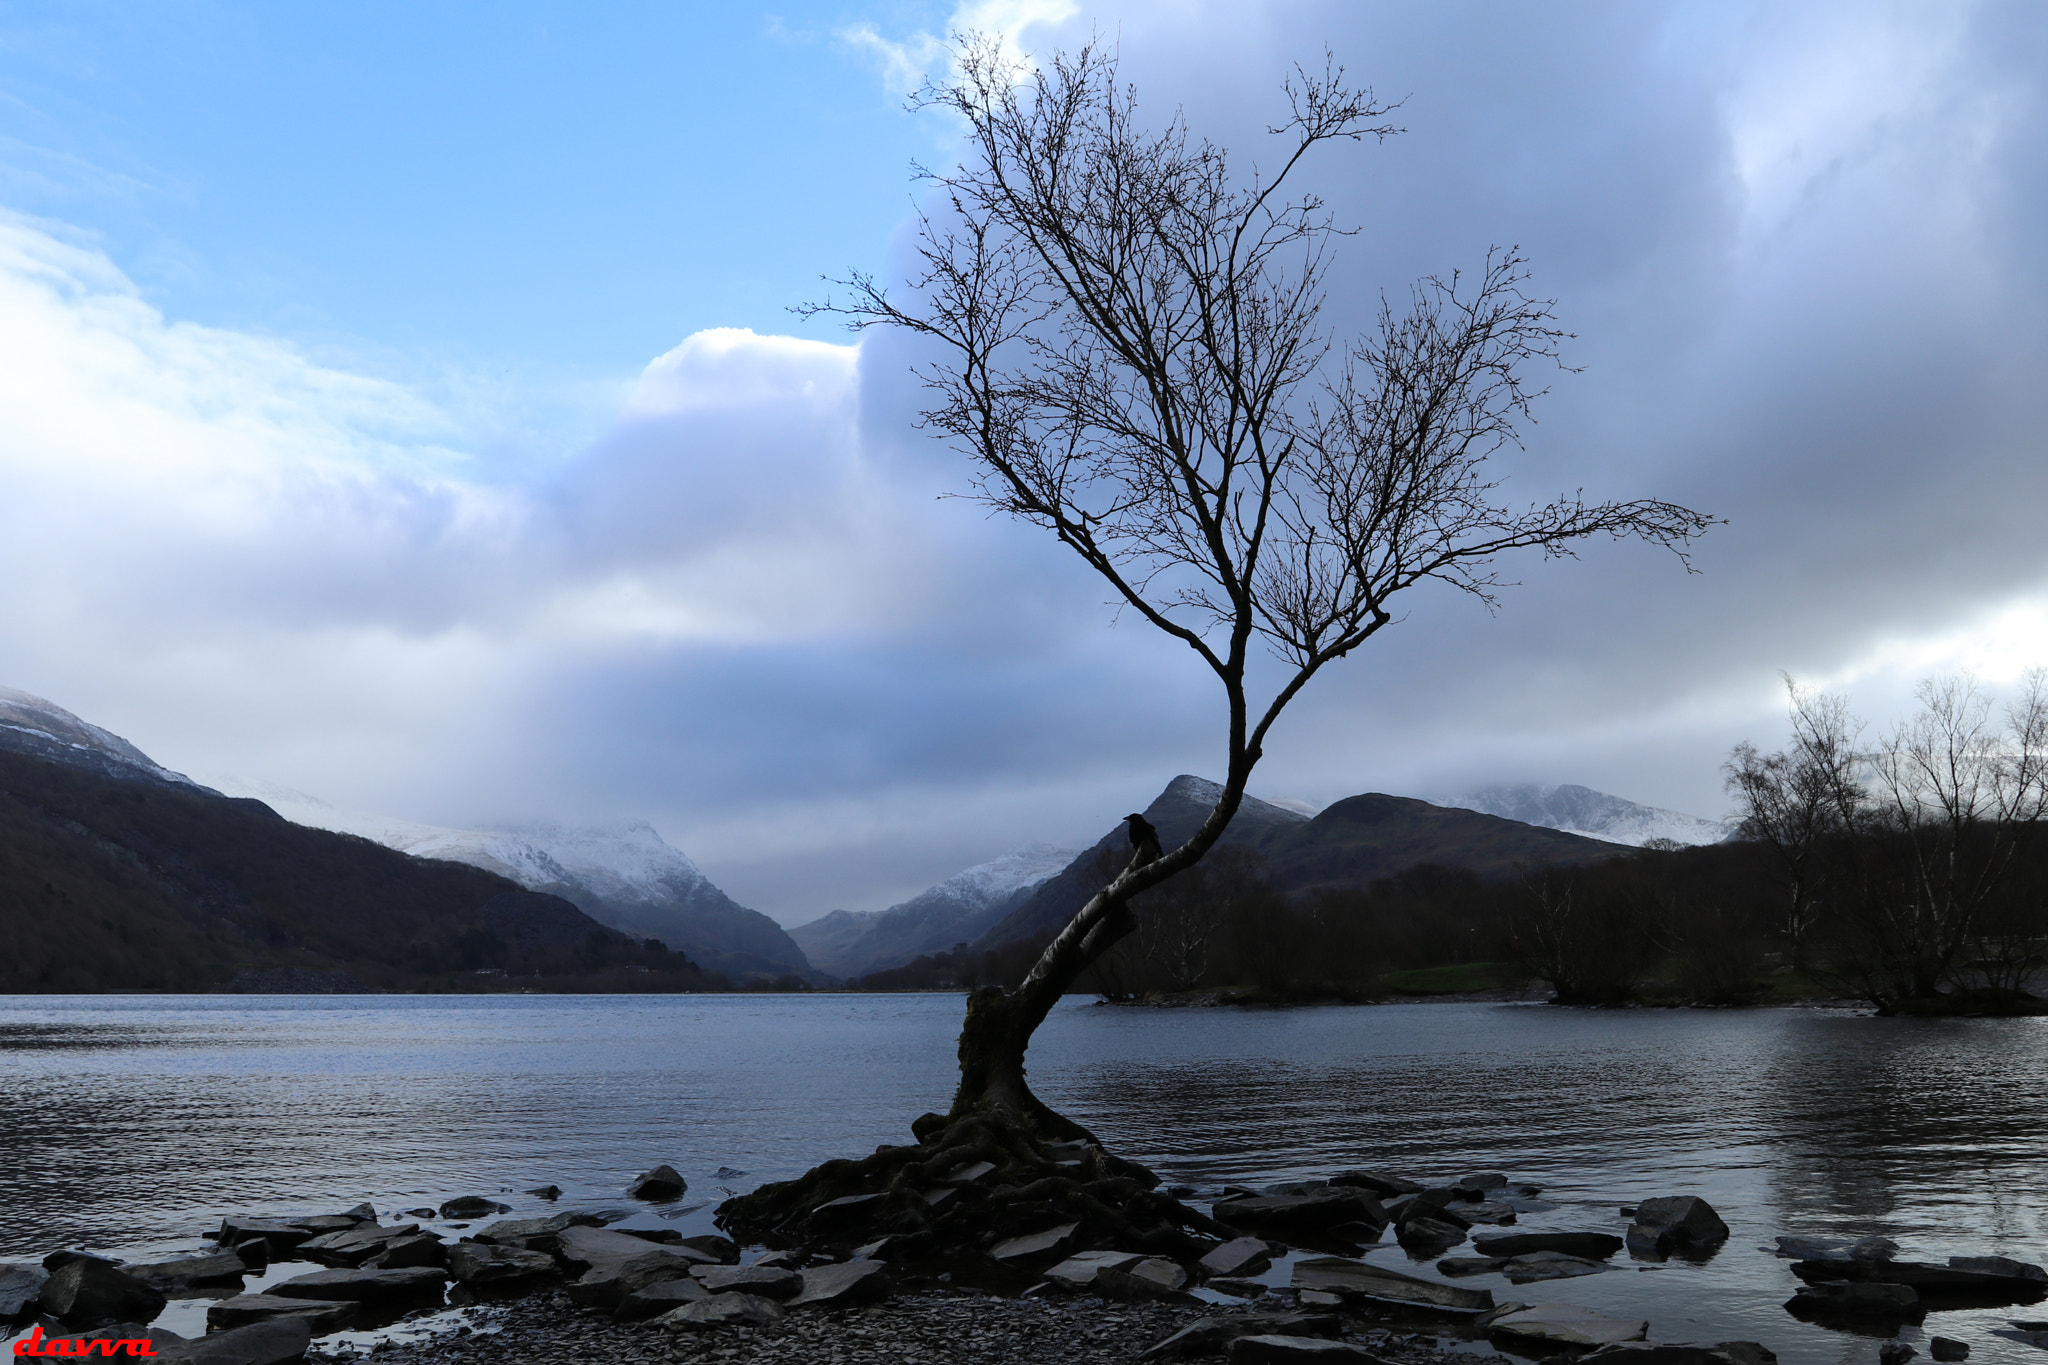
[(659, 1185), (354, 1245), (1151, 1277), (322, 1224), (1243, 1256), (403, 1252), (91, 1293), (1564, 1324), (281, 1238), (254, 1253), (1307, 1212), (1681, 1353), (19, 1286), (473, 1206), (1426, 1237), (2002, 1266), (1457, 1266), (1280, 1350), (57, 1260), (1895, 1353), (663, 1296), (243, 1309), (1592, 1246), (1078, 1271), (548, 1192), (596, 1248), (1477, 1186), (1230, 1284), (847, 1282), (271, 1342), (1379, 1285), (1948, 1349), (1205, 1336), (724, 1310), (187, 1275), (1681, 1222), (770, 1282), (1548, 1265), (535, 1234), (1487, 1211), (365, 1286), (608, 1285), (1379, 1183), (1856, 1299), (723, 1250), (486, 1263), (1047, 1242)]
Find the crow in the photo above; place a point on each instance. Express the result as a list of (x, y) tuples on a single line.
[(1144, 838)]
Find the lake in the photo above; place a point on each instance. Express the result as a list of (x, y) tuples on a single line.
[(129, 1123)]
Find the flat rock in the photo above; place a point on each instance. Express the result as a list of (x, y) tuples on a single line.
[(846, 1282), (244, 1309), (355, 1244), (19, 1286), (365, 1286), (723, 1250), (1548, 1265), (1837, 1249), (1948, 1349), (1487, 1211), (1205, 1336), (595, 1248), (663, 1296), (271, 1342), (1682, 1222), (485, 1263), (2002, 1266), (2008, 1281), (182, 1277), (1049, 1242), (659, 1185), (1681, 1353), (1590, 1245), (280, 1238), (403, 1252), (1859, 1299), (1309, 1211), (1427, 1236), (89, 1293), (473, 1206), (724, 1310), (770, 1282), (1359, 1279), (1567, 1324), (1284, 1350), (535, 1234), (1380, 1183), (608, 1285), (1242, 1256), (1079, 1270), (1151, 1277)]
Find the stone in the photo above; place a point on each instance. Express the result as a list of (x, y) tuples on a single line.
[(845, 1283), (91, 1293), (363, 1212), (608, 1285), (1457, 1266), (1425, 1237), (1858, 1299), (403, 1252), (535, 1234), (548, 1192), (1548, 1265), (1048, 1242), (243, 1309), (1316, 1298), (1150, 1277), (1243, 1256), (770, 1282), (1477, 1186), (971, 1173), (663, 1296), (19, 1287), (1230, 1284), (365, 1286), (186, 1276), (1681, 1353), (724, 1310), (254, 1253), (281, 1238), (723, 1250), (323, 1223), (420, 1213), (473, 1206), (1378, 1183), (594, 1248), (1566, 1324), (1379, 1285), (485, 1263), (1280, 1350), (659, 1185), (1681, 1222), (1931, 1279), (2001, 1266), (1487, 1211), (1895, 1353), (1078, 1271), (1427, 1204), (1589, 1245), (271, 1342), (1309, 1212), (1206, 1336), (1948, 1349), (356, 1244)]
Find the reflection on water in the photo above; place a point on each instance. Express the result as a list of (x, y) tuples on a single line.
[(136, 1121)]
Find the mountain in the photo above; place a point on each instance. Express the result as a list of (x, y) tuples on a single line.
[(623, 875), (1176, 812), (958, 910), (117, 874), (1597, 815)]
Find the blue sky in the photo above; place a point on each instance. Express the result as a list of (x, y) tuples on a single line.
[(399, 403)]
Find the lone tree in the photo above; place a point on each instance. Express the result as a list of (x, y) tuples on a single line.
[(1133, 353)]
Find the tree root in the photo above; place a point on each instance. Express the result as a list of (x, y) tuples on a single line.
[(935, 1198)]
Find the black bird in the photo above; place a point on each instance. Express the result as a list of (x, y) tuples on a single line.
[(1144, 838)]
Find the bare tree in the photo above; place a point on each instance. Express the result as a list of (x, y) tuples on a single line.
[(1133, 353)]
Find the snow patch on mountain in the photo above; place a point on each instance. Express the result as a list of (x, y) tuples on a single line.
[(986, 883), (40, 728), (1581, 810)]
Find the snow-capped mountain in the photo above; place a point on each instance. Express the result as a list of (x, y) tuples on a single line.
[(42, 729), (623, 875), (1581, 810), (957, 910)]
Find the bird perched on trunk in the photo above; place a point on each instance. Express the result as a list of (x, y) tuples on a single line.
[(1144, 839)]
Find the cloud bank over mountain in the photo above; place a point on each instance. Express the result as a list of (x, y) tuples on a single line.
[(1797, 247)]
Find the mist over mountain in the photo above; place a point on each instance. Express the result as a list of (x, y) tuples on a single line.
[(1595, 814), (958, 910)]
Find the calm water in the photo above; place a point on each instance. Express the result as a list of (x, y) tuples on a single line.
[(130, 1123)]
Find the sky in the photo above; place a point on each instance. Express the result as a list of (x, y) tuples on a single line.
[(403, 404)]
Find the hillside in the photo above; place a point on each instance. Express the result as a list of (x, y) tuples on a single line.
[(122, 883), (1595, 814)]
